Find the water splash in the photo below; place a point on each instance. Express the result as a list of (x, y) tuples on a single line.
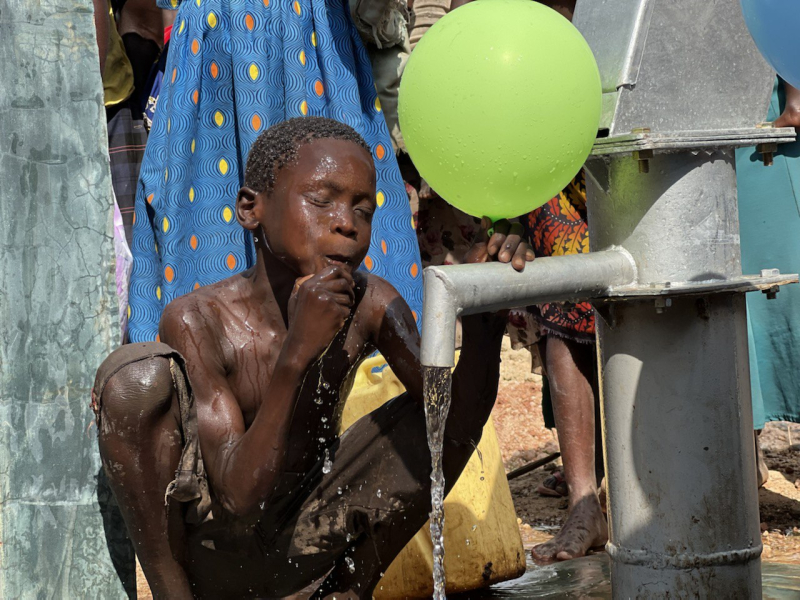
[(437, 387), (327, 464)]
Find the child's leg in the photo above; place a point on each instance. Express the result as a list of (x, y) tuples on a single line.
[(140, 445), (762, 470), (376, 496), (571, 373)]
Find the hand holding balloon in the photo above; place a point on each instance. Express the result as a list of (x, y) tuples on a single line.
[(503, 242)]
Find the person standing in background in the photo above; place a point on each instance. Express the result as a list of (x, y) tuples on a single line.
[(769, 226), (233, 70)]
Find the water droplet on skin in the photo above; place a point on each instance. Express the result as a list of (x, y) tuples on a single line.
[(351, 566), (474, 527), (339, 491), (324, 419), (379, 494), (467, 541), (347, 537)]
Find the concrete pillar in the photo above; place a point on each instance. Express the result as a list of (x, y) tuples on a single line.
[(57, 301)]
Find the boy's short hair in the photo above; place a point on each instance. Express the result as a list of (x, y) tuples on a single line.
[(278, 146)]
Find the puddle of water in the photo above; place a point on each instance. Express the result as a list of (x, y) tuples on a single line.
[(781, 581), (589, 578), (437, 386), (582, 578)]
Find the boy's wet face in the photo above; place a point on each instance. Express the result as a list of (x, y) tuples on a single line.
[(320, 210)]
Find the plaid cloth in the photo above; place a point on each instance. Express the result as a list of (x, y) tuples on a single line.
[(126, 141)]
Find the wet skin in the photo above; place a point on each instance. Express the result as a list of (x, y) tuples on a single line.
[(258, 347)]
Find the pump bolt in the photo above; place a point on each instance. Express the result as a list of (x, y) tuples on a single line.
[(662, 303), (643, 156), (767, 151), (770, 272), (772, 292)]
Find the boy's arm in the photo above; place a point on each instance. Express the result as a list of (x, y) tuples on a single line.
[(244, 465)]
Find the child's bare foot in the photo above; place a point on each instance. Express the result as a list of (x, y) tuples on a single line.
[(585, 528)]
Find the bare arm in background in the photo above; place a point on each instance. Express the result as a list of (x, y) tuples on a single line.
[(565, 7), (168, 17), (101, 26)]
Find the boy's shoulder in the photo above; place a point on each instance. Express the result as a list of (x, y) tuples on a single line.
[(377, 289), (198, 309), (380, 297)]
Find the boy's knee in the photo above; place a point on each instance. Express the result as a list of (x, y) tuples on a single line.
[(135, 391)]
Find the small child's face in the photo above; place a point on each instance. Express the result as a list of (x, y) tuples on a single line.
[(319, 212)]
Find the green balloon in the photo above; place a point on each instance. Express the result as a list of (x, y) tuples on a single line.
[(499, 106)]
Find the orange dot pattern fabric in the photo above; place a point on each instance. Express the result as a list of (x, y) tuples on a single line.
[(233, 70), (556, 229)]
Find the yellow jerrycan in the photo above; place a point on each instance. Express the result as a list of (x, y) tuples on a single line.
[(481, 536)]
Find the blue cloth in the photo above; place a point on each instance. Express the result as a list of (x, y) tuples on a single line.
[(769, 219), (234, 68)]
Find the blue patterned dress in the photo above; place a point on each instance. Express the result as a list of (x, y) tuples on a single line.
[(236, 67)]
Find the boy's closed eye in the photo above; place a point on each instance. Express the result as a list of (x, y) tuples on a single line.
[(317, 199), (366, 211)]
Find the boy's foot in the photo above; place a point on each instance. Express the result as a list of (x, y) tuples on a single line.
[(585, 529)]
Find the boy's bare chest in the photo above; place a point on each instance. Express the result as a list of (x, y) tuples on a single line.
[(251, 359)]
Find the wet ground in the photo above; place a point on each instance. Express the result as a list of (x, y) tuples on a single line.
[(587, 578)]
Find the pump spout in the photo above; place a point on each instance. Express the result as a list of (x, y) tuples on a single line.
[(468, 289)]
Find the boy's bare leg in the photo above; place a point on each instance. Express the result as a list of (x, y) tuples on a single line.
[(140, 445), (358, 572), (361, 568), (570, 370)]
